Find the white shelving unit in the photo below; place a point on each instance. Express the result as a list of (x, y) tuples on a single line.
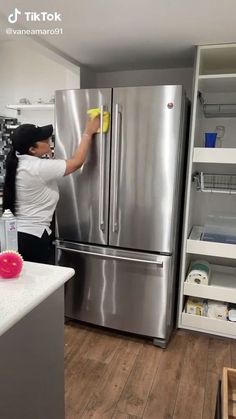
[(215, 79), (33, 107)]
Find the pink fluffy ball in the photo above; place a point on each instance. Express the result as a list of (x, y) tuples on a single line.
[(11, 264)]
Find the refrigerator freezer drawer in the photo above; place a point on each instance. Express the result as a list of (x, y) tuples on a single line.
[(128, 291)]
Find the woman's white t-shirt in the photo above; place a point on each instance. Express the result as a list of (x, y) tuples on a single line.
[(37, 193)]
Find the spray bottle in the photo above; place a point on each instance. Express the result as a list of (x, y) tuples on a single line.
[(8, 231)]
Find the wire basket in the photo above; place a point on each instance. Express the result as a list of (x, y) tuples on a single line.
[(215, 183)]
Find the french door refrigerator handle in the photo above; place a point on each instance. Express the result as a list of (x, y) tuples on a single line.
[(102, 173), (150, 262), (116, 171)]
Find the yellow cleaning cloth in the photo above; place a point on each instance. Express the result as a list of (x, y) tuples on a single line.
[(106, 118)]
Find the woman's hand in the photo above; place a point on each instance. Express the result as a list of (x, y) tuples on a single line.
[(92, 125), (79, 157)]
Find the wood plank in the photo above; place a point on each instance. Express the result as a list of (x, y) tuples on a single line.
[(101, 346), (75, 334), (190, 397), (233, 353), (76, 340), (119, 415), (219, 356), (80, 385), (161, 401), (228, 393), (225, 403), (104, 400), (135, 393), (97, 378)]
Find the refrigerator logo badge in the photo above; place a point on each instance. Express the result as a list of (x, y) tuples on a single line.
[(170, 105)]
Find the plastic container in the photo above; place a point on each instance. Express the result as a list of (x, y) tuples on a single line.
[(220, 228), (8, 232), (210, 139)]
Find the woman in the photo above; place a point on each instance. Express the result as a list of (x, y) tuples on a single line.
[(30, 189)]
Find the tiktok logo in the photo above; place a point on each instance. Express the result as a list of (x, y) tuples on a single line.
[(35, 17), (12, 18)]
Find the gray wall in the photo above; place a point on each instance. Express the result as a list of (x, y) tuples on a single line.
[(87, 78), (183, 76)]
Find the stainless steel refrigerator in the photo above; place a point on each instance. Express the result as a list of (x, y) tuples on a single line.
[(118, 217)]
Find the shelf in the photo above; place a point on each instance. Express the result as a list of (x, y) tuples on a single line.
[(222, 285), (214, 155), (207, 325), (219, 110), (33, 107), (199, 247), (216, 59), (217, 83), (12, 126)]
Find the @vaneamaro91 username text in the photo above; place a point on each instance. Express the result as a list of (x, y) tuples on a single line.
[(55, 31)]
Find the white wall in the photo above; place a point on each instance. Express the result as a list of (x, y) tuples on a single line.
[(183, 76), (27, 73)]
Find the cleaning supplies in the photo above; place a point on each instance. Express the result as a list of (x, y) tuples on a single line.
[(232, 312), (11, 264), (217, 310), (199, 272), (8, 231), (196, 306), (106, 118), (208, 308)]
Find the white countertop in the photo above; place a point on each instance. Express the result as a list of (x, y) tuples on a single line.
[(20, 295)]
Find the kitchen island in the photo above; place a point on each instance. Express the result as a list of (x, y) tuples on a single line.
[(32, 343)]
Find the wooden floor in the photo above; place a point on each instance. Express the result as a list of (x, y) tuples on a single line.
[(109, 375)]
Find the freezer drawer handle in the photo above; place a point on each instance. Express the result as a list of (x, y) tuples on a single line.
[(102, 173), (150, 262), (116, 169)]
